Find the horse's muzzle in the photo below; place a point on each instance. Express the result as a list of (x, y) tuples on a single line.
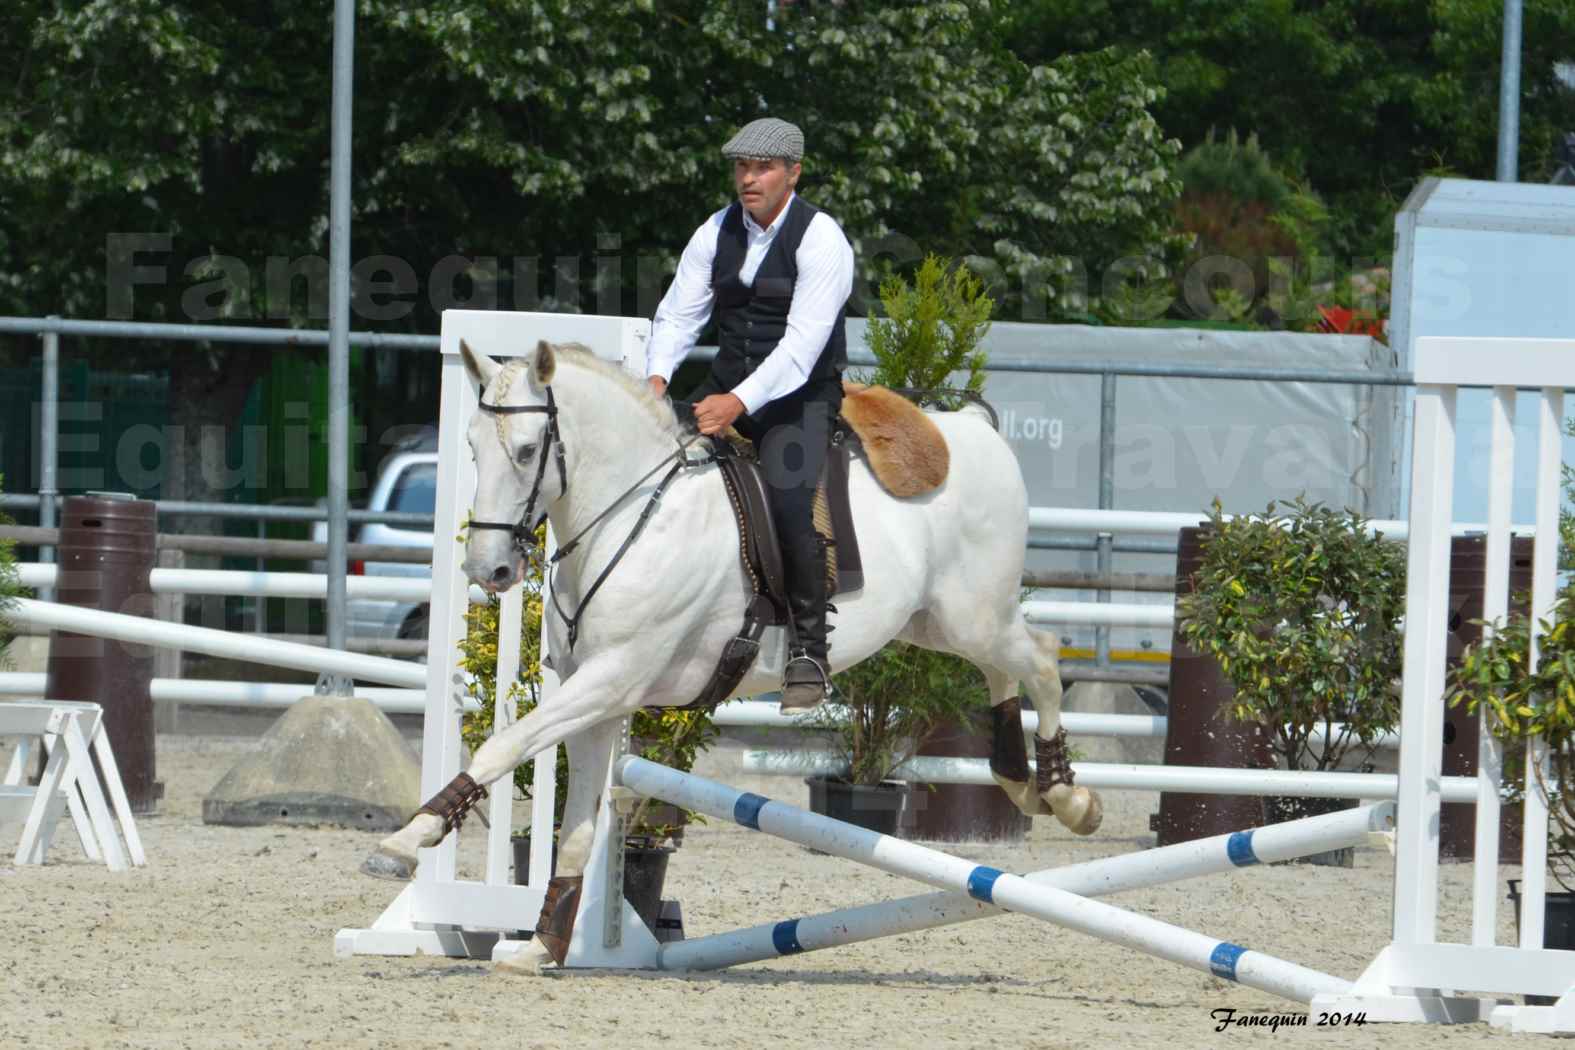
[(494, 577)]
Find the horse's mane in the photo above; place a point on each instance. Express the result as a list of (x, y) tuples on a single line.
[(659, 408)]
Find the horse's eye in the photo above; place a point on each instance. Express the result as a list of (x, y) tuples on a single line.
[(526, 452)]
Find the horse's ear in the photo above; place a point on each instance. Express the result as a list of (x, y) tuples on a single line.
[(481, 367), (543, 364)]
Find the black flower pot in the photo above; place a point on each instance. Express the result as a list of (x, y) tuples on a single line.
[(878, 807), (644, 874), (1558, 927)]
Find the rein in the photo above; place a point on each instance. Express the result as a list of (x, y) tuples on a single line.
[(524, 531), (682, 463)]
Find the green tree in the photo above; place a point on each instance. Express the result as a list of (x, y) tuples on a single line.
[(548, 155), (1360, 98), (496, 130)]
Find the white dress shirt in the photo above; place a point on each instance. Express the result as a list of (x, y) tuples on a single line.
[(825, 280)]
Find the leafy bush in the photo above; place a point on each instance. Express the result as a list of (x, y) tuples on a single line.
[(1302, 611), (479, 659), (1495, 675)]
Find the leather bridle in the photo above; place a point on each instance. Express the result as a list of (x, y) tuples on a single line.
[(523, 531)]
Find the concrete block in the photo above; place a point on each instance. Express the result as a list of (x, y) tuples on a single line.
[(327, 760)]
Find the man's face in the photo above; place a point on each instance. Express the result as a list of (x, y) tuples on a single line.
[(763, 186)]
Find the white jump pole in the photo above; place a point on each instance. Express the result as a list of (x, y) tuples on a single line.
[(1010, 892), (140, 630), (1115, 776), (768, 714), (1185, 860)]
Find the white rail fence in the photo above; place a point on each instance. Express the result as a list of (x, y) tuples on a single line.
[(409, 678), (246, 583)]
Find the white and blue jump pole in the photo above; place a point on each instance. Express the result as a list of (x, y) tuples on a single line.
[(984, 884), (1095, 878)]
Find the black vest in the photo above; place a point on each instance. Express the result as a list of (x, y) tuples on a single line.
[(751, 319)]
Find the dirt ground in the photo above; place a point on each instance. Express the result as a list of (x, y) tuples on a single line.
[(225, 940)]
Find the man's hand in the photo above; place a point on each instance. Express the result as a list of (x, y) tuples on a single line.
[(658, 385), (717, 412)]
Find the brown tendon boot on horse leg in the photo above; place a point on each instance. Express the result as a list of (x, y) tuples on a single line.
[(393, 859), (1009, 758), (559, 908), (1076, 807)]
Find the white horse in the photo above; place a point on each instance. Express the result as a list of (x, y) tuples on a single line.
[(942, 571)]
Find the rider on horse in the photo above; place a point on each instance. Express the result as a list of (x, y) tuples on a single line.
[(775, 274)]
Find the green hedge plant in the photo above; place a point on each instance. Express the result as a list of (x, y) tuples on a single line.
[(1301, 608), (1495, 675)]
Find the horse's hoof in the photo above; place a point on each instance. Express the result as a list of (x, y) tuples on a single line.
[(1023, 796), (527, 962), (382, 865), (1078, 808)]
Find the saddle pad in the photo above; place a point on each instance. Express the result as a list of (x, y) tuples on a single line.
[(904, 448)]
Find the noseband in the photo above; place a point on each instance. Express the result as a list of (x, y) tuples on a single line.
[(524, 530)]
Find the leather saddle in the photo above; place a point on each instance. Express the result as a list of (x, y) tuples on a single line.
[(760, 550), (761, 546), (907, 455)]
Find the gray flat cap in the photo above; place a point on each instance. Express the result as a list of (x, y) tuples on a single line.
[(766, 139)]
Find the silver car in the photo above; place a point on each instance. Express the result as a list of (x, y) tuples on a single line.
[(406, 482)]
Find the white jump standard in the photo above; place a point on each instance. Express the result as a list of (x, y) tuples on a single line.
[(1130, 871), (989, 885)]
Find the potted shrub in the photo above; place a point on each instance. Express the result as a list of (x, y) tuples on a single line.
[(930, 329), (669, 736), (884, 709), (1301, 607), (1524, 703)]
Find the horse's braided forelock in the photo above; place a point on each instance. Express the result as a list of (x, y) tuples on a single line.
[(501, 385)]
